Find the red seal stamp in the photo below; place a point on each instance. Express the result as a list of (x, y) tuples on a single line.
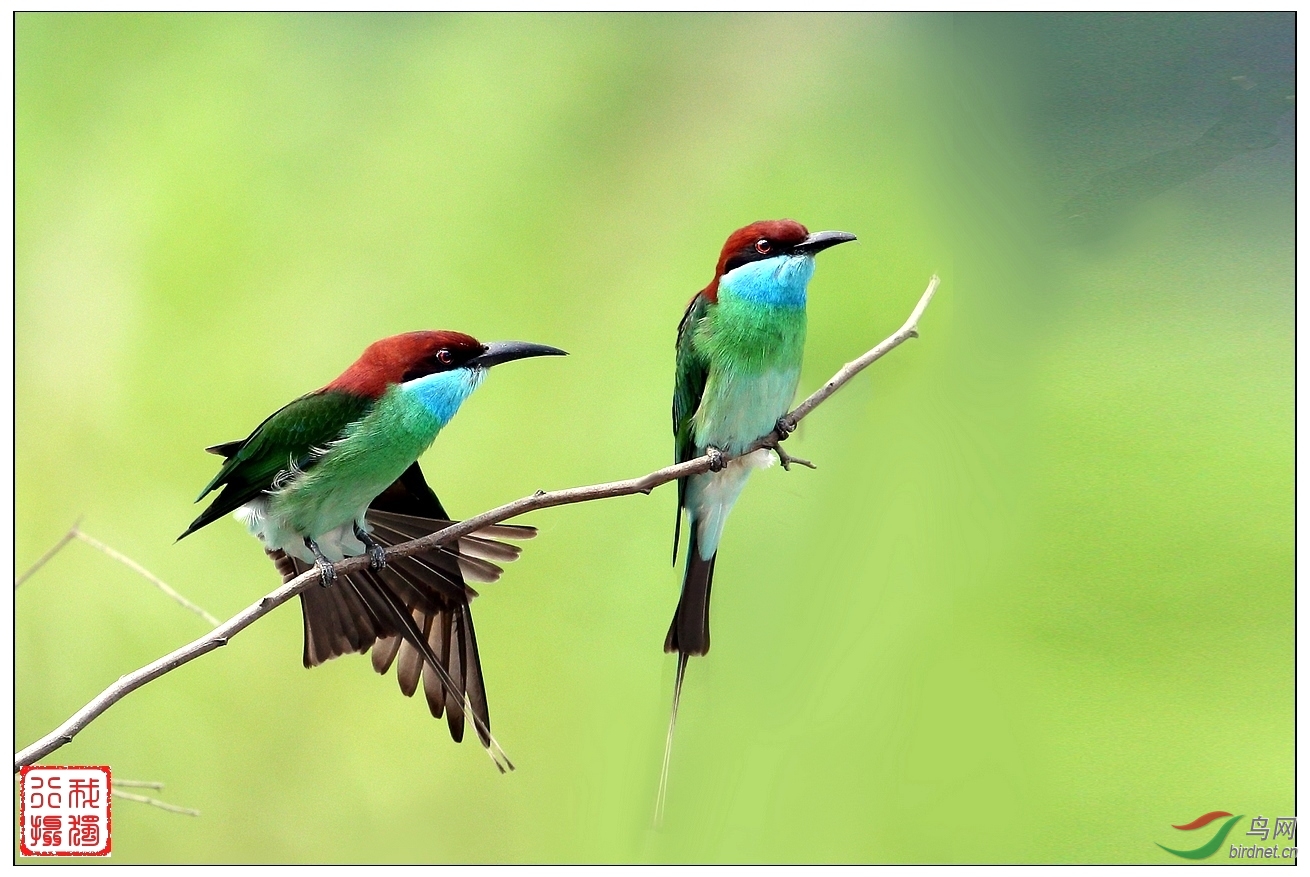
[(64, 811)]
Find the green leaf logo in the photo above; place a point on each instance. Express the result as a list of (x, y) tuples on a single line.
[(1207, 849)]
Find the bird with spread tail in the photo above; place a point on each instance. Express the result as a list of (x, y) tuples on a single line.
[(334, 474), (739, 351)]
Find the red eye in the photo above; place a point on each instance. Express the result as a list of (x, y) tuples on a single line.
[(443, 356), (763, 247)]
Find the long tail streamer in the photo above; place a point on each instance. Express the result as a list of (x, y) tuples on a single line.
[(662, 795)]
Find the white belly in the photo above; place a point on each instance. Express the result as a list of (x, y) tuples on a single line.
[(336, 544)]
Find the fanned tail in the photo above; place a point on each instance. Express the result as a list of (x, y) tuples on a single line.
[(662, 795), (414, 612)]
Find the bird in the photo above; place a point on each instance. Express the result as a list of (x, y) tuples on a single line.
[(739, 350), (335, 474)]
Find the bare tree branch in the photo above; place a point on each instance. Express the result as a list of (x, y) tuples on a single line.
[(45, 558), (140, 784), (142, 799), (146, 574), (155, 802), (540, 500), (76, 532)]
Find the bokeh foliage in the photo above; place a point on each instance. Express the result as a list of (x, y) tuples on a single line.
[(1036, 604)]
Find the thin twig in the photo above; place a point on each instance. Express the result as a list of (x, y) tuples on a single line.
[(140, 784), (76, 532), (155, 802), (45, 558), (146, 574), (542, 499)]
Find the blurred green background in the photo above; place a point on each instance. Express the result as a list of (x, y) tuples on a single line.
[(1036, 604)]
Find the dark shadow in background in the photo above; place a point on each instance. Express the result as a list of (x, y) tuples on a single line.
[(1110, 84), (1247, 124)]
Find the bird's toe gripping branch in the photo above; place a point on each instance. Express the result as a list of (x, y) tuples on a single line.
[(781, 431), (774, 443), (787, 459), (377, 555), (718, 460), (326, 574)]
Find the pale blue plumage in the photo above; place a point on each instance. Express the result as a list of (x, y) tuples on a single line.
[(778, 282), (442, 393)]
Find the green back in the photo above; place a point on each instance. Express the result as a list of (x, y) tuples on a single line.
[(690, 374), (288, 438)]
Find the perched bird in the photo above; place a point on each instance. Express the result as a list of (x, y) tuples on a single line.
[(334, 474), (739, 351)]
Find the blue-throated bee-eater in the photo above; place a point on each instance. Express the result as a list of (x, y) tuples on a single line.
[(739, 351), (334, 474)]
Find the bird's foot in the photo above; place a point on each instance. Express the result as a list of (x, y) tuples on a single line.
[(327, 576), (785, 458), (377, 555), (784, 427), (717, 459)]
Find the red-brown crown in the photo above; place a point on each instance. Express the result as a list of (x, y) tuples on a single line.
[(741, 246), (404, 357)]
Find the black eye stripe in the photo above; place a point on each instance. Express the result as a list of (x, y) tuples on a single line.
[(441, 361), (751, 253)]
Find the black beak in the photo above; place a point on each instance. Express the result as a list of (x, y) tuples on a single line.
[(821, 240), (505, 351)]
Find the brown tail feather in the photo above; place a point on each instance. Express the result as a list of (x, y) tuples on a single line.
[(489, 549), (337, 620), (434, 691), (662, 795), (474, 687), (689, 634), (414, 612), (384, 652), (456, 666), (410, 663)]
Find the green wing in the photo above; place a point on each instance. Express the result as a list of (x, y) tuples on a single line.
[(691, 372), (288, 438)]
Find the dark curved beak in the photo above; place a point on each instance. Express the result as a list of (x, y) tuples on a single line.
[(506, 351), (822, 240)]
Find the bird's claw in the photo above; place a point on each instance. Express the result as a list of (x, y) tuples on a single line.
[(784, 427), (377, 555), (717, 459), (327, 576), (785, 458)]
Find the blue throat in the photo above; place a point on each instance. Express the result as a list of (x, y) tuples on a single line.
[(779, 282), (442, 393)]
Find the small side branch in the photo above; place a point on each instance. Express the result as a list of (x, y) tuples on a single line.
[(909, 329), (145, 574), (542, 499), (45, 558), (77, 533), (154, 802), (139, 784)]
